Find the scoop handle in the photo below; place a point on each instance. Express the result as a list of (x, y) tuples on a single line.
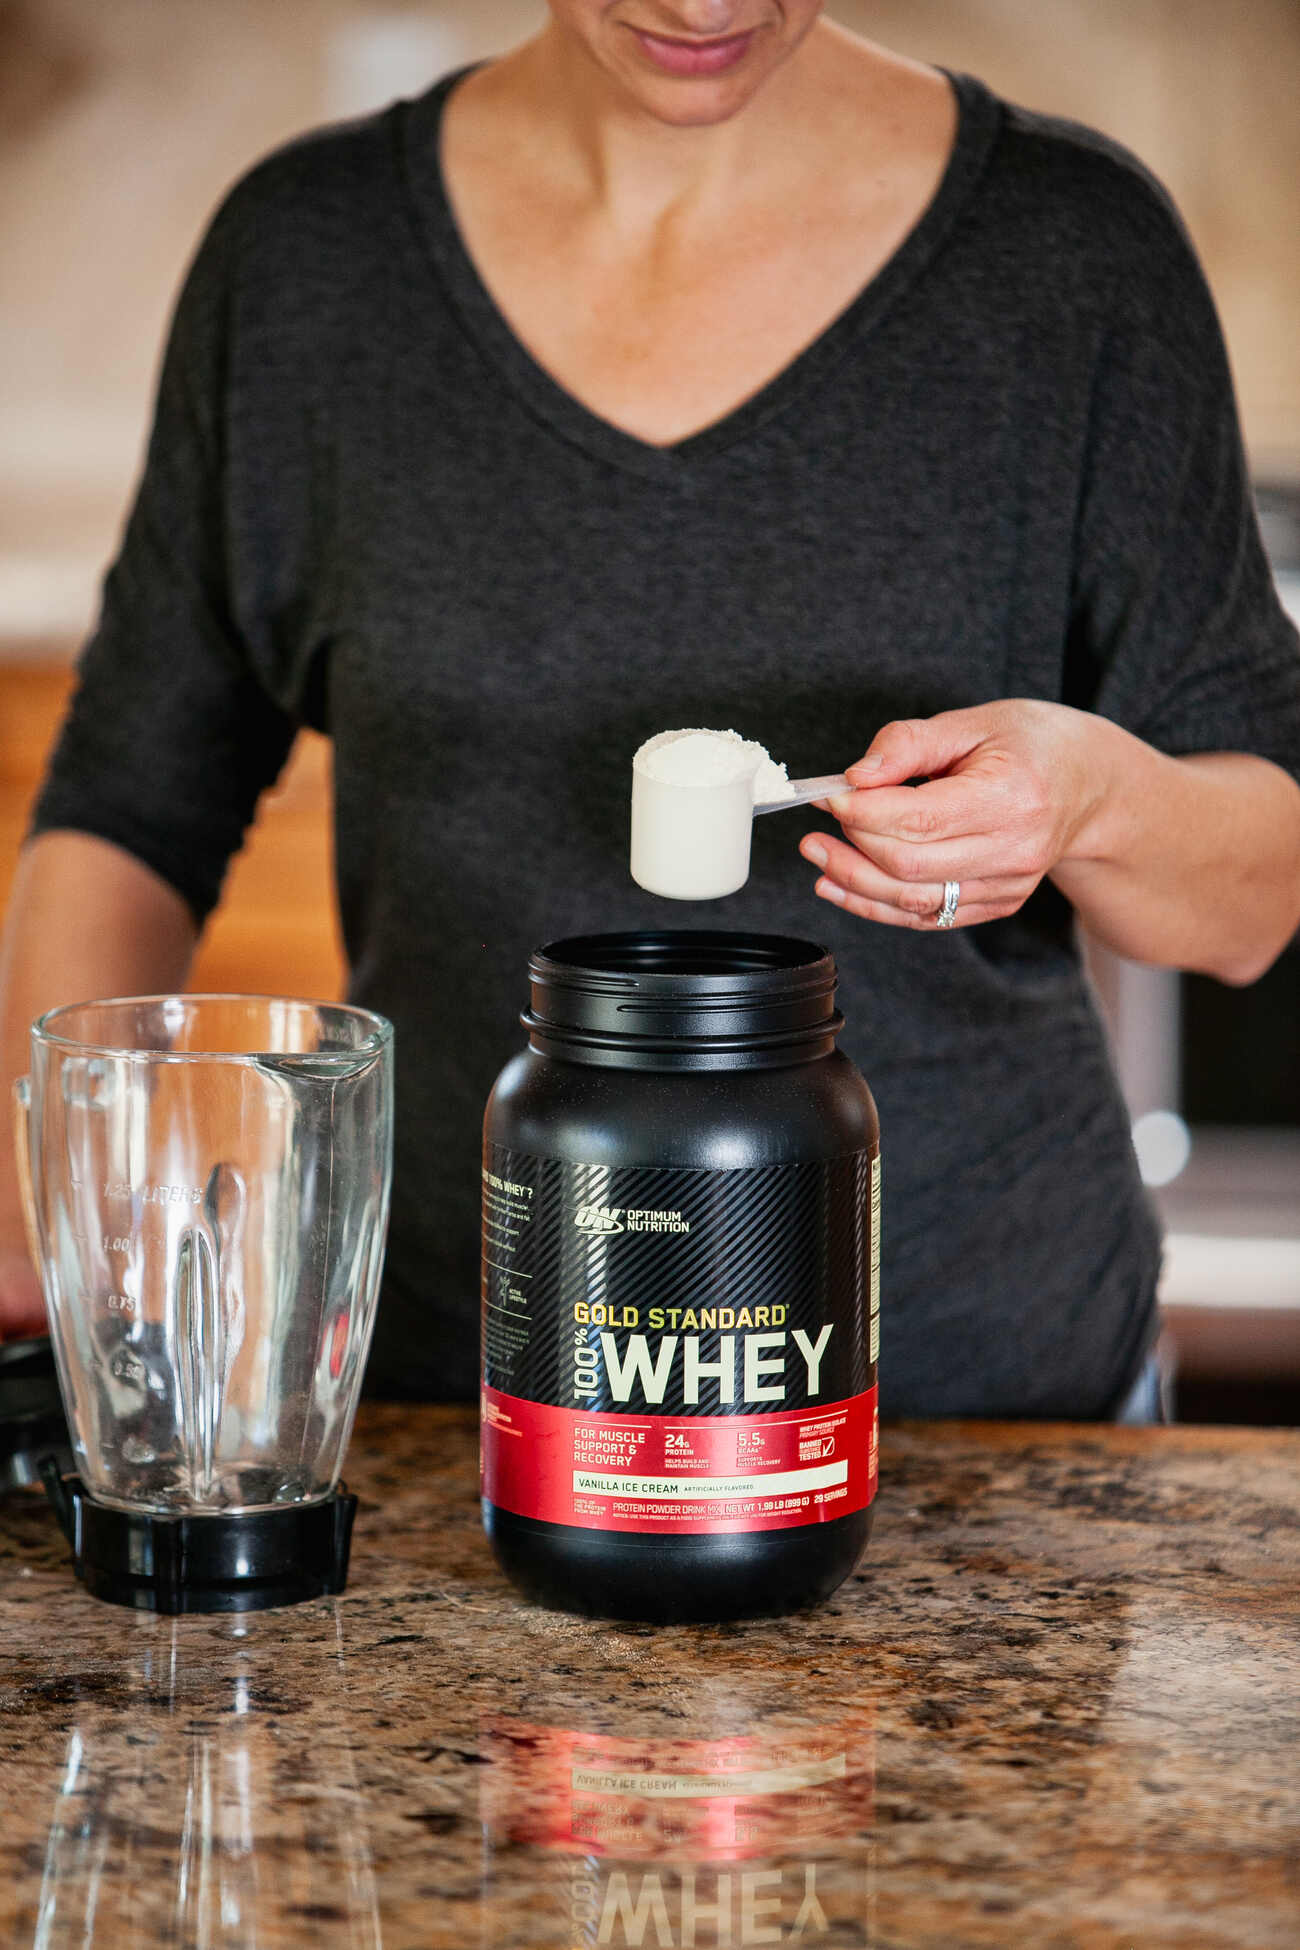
[(802, 791)]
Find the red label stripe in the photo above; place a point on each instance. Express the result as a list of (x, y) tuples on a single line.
[(672, 1474)]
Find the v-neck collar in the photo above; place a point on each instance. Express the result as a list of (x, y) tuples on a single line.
[(418, 135)]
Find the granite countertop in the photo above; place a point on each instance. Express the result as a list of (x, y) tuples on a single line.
[(1056, 1707)]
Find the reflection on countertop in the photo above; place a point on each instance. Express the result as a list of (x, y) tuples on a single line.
[(180, 1817), (1050, 1709)]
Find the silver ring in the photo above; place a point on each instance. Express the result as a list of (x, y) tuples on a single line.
[(948, 912)]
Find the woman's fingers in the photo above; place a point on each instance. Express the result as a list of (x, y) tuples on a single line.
[(923, 867), (962, 806), (914, 748), (969, 913), (864, 886)]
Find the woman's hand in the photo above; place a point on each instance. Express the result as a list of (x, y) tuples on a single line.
[(1189, 862), (1005, 790)]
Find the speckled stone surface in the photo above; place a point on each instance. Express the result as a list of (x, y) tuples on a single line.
[(1057, 1706)]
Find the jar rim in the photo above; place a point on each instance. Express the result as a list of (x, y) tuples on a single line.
[(699, 997), (674, 955)]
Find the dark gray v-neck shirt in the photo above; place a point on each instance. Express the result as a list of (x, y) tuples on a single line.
[(1010, 467)]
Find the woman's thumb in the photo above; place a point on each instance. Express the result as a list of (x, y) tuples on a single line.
[(915, 748)]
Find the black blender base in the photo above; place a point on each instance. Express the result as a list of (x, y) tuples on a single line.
[(688, 1580), (247, 1562), (31, 1414)]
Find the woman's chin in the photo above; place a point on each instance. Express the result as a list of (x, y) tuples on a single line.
[(685, 80), (692, 100)]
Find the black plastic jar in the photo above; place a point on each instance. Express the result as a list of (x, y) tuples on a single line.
[(680, 1282)]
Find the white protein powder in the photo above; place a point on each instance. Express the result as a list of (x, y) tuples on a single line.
[(697, 757), (693, 798)]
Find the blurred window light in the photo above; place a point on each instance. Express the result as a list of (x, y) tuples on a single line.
[(1288, 588), (1205, 1270), (44, 597), (1163, 1144), (370, 62)]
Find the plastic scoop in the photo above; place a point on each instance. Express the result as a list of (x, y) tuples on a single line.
[(803, 791), (691, 838)]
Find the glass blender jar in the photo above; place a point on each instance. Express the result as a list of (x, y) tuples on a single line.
[(207, 1197)]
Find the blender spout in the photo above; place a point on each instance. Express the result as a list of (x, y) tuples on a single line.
[(321, 1066)]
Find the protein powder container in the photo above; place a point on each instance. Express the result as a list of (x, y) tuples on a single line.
[(681, 1187)]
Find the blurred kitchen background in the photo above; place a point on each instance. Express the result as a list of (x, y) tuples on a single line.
[(122, 121)]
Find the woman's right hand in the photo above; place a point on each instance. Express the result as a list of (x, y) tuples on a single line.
[(22, 1309)]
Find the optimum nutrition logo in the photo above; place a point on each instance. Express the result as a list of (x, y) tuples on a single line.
[(599, 1218), (622, 1218)]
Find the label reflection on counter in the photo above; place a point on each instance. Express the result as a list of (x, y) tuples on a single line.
[(697, 1843)]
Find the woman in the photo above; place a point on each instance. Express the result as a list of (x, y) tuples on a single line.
[(699, 363)]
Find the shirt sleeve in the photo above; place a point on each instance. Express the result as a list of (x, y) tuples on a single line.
[(171, 736), (1177, 629)]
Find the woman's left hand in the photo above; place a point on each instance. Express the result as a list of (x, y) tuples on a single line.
[(1003, 791)]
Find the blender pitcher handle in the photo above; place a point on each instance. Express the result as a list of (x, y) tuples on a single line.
[(22, 1110)]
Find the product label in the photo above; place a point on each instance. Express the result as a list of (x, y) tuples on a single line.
[(671, 1351)]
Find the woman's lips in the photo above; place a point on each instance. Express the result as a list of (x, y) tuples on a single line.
[(694, 57)]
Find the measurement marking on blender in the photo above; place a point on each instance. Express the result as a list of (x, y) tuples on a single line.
[(120, 1188)]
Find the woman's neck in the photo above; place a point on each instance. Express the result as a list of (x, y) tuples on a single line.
[(662, 273), (638, 167)]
